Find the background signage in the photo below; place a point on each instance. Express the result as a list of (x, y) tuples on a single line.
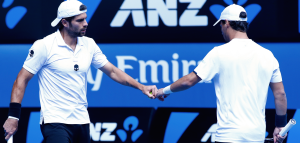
[(108, 125), (144, 125), (120, 124), (156, 42), (150, 64), (130, 21), (196, 125)]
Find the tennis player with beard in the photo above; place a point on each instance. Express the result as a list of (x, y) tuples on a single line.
[(61, 61)]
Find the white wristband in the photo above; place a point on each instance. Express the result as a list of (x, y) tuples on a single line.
[(167, 90), (11, 117)]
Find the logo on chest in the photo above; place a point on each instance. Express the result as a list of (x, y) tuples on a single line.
[(76, 67)]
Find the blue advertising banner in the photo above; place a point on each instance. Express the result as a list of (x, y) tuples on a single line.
[(150, 64), (108, 125), (145, 125), (182, 125)]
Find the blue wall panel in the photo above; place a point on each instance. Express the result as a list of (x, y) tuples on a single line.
[(104, 92)]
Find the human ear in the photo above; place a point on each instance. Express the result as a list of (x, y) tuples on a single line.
[(64, 23)]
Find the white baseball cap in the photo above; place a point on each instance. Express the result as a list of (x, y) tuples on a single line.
[(232, 13), (66, 9)]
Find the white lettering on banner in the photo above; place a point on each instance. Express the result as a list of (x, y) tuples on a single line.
[(135, 7), (175, 66), (211, 132), (186, 66), (121, 62), (189, 17), (110, 127), (167, 11), (97, 81), (158, 8), (106, 135), (154, 65), (95, 131), (154, 70)]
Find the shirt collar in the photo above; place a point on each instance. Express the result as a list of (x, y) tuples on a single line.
[(60, 40), (79, 41)]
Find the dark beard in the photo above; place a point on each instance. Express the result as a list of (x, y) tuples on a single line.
[(74, 34)]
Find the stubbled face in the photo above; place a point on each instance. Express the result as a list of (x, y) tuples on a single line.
[(224, 31), (78, 26)]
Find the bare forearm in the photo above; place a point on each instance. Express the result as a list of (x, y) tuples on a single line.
[(280, 98), (281, 104), (124, 79), (180, 85), (19, 86), (18, 91), (128, 81), (185, 82)]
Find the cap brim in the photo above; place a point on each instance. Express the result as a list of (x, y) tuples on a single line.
[(217, 22), (55, 22)]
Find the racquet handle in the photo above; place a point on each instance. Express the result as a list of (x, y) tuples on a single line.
[(287, 127), (10, 140)]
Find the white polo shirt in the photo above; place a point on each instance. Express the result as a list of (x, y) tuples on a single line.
[(62, 88), (242, 71)]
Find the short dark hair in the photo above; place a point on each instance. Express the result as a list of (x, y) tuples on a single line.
[(241, 26), (69, 19)]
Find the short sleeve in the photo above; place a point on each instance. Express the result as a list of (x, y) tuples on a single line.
[(208, 67), (276, 76), (99, 59), (36, 58)]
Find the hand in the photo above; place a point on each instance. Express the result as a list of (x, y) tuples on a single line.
[(147, 89), (10, 127), (160, 95), (277, 138)]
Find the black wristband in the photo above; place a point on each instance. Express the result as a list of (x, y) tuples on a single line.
[(280, 120), (14, 110)]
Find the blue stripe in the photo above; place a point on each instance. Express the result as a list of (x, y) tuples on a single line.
[(293, 136), (178, 123)]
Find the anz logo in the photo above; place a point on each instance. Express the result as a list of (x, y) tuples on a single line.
[(252, 9), (95, 130), (14, 15), (167, 11), (211, 133), (130, 125)]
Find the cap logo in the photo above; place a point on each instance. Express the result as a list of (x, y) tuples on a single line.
[(243, 15)]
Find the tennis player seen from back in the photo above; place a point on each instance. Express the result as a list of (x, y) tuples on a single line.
[(61, 61), (242, 71)]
